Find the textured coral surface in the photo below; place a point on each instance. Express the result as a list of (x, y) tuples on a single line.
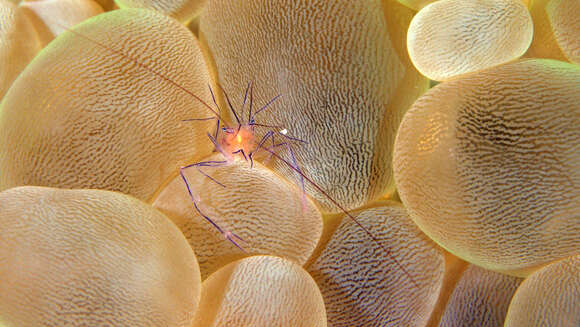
[(289, 163)]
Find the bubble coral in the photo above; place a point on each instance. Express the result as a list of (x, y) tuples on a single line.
[(487, 165), (92, 257), (453, 37), (345, 78)]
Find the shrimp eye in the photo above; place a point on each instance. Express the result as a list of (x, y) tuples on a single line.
[(224, 129)]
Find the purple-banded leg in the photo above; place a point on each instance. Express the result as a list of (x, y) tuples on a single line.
[(230, 105), (241, 151), (265, 106), (260, 145), (229, 235)]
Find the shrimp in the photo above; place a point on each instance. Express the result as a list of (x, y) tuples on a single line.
[(240, 139)]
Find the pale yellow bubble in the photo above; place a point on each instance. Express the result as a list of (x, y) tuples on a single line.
[(19, 43), (487, 165), (182, 10), (271, 215), (452, 37), (260, 291), (548, 297), (564, 17), (91, 257), (101, 107), (52, 17), (480, 298), (365, 283)]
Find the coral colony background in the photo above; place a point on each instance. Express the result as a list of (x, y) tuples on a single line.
[(466, 194)]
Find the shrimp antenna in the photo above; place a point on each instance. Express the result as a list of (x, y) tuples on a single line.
[(245, 98), (213, 98), (142, 66), (267, 104), (319, 189), (230, 104), (251, 102)]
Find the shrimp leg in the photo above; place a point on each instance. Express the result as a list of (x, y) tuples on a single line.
[(229, 235)]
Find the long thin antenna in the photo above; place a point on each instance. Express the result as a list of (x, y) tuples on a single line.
[(318, 188), (245, 98), (267, 105), (230, 104), (141, 65)]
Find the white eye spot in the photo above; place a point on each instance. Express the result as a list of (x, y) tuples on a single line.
[(284, 131)]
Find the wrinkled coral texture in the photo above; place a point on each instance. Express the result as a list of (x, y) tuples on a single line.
[(507, 172), (485, 164), (92, 257)]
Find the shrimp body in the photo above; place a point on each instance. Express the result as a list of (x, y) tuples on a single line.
[(237, 140)]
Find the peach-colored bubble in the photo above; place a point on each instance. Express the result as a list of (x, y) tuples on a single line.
[(487, 165), (548, 297), (269, 214), (95, 115), (260, 291), (19, 43), (52, 17), (453, 37), (418, 4), (480, 298), (367, 284), (564, 17), (92, 258), (182, 10)]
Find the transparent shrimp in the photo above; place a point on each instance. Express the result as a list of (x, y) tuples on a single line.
[(239, 140)]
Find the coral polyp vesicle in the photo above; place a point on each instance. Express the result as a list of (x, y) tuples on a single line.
[(262, 208), (549, 297), (453, 37), (92, 258), (83, 116), (261, 291), (487, 165)]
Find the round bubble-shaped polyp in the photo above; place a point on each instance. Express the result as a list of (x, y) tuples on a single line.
[(487, 165)]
